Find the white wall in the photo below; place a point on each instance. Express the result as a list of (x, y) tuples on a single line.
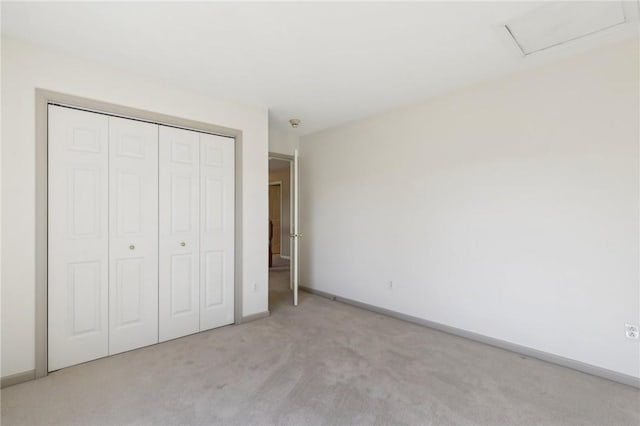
[(509, 208), (283, 139), (25, 67)]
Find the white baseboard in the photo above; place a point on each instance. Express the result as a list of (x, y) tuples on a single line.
[(254, 317), (17, 378)]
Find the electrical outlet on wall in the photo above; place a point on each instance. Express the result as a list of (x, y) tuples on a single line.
[(390, 285), (631, 331), (255, 287)]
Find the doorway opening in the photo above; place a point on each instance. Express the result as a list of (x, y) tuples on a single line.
[(277, 215), (282, 231)]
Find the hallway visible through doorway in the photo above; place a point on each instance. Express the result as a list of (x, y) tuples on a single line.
[(281, 230), (279, 288)]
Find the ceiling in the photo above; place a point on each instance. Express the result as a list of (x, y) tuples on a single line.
[(323, 62)]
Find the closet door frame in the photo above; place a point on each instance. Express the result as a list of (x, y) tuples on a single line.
[(43, 99)]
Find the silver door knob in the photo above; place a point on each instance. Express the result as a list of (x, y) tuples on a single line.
[(131, 247), (182, 244)]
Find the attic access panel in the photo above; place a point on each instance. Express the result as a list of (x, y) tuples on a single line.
[(557, 23)]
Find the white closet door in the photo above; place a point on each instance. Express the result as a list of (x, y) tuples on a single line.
[(216, 231), (78, 237), (179, 162), (133, 229)]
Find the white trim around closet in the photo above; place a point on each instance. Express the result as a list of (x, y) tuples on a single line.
[(46, 97)]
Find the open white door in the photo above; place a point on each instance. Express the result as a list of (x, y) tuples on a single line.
[(295, 258)]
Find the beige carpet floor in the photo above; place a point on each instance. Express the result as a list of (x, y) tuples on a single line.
[(320, 363)]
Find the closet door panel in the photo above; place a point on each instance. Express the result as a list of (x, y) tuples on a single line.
[(78, 240), (216, 231), (133, 229), (179, 232)]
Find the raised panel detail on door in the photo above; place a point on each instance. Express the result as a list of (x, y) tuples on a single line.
[(129, 291), (129, 187), (216, 231), (182, 205), (131, 146), (85, 297), (181, 285), (183, 151), (213, 278), (179, 160), (84, 202), (85, 139), (78, 242), (214, 204), (213, 154), (133, 247)]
